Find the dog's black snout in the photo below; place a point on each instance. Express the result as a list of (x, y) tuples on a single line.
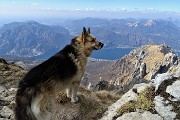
[(101, 44)]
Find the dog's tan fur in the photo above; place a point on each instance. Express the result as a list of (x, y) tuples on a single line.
[(63, 71)]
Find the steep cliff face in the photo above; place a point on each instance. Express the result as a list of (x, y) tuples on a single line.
[(141, 64)]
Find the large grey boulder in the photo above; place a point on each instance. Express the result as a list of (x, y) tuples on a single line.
[(164, 100), (146, 115)]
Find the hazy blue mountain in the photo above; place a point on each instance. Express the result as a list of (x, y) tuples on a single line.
[(130, 32), (32, 39)]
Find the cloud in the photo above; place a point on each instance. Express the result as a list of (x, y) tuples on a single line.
[(124, 9), (152, 9), (34, 4), (90, 9)]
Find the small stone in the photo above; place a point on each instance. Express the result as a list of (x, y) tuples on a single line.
[(174, 89), (2, 89), (6, 112)]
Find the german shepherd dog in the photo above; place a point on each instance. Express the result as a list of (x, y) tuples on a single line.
[(63, 71)]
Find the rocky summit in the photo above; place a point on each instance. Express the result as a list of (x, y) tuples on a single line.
[(140, 65)]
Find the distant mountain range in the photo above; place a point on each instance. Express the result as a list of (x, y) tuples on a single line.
[(130, 32), (32, 39)]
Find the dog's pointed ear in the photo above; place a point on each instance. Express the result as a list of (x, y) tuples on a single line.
[(84, 34), (89, 32), (84, 30)]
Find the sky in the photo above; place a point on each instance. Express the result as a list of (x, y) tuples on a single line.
[(37, 8)]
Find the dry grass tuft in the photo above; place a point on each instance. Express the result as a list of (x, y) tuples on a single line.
[(128, 107), (106, 97), (143, 102)]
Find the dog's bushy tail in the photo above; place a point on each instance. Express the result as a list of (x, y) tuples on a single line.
[(24, 97)]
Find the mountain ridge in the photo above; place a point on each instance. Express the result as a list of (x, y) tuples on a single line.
[(130, 32), (31, 38), (140, 65)]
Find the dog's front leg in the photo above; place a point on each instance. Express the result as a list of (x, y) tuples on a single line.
[(75, 86), (69, 92)]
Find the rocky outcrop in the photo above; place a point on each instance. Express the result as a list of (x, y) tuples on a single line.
[(140, 65), (7, 102), (10, 74), (170, 60), (157, 100), (146, 115), (3, 61), (112, 111), (154, 60)]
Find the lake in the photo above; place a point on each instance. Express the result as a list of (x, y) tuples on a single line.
[(108, 54), (111, 54)]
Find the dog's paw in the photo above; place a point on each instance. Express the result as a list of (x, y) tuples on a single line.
[(74, 99)]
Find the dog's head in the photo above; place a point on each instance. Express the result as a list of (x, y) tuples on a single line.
[(87, 42)]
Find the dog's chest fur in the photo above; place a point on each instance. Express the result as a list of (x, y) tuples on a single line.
[(80, 61)]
